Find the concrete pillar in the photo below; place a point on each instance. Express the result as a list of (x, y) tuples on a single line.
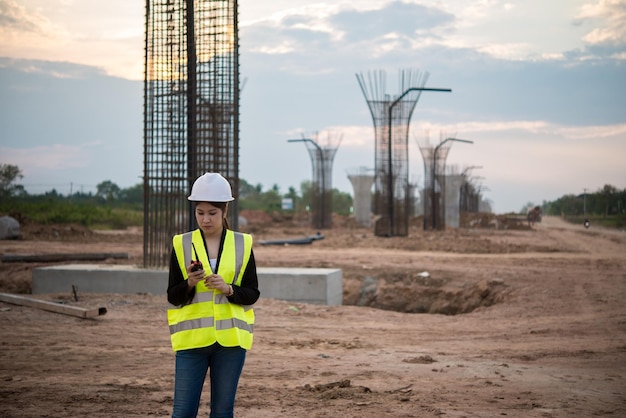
[(362, 185), (452, 196)]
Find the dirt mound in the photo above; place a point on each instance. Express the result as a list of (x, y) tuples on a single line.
[(56, 232), (429, 296)]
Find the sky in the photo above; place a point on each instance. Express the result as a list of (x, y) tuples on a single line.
[(538, 87)]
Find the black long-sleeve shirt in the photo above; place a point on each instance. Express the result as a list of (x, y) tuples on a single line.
[(179, 294)]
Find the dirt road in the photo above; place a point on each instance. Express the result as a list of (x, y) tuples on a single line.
[(540, 331)]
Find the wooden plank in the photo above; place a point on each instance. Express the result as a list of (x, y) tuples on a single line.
[(61, 257), (51, 306)]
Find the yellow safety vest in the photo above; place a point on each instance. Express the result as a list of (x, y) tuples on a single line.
[(210, 317)]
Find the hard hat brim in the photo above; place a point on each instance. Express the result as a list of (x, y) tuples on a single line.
[(223, 200)]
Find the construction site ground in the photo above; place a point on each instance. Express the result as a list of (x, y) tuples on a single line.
[(470, 322)]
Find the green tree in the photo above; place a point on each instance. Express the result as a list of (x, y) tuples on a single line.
[(246, 190), (607, 204), (271, 200), (107, 190), (306, 191), (254, 198), (8, 175), (567, 205), (608, 199), (342, 202), (293, 195), (132, 195)]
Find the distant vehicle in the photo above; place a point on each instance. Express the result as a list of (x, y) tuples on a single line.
[(533, 215)]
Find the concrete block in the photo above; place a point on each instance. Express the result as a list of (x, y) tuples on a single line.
[(308, 285), (99, 278)]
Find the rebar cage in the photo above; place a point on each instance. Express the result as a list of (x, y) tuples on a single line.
[(191, 112), (392, 195), (434, 185), (322, 157)]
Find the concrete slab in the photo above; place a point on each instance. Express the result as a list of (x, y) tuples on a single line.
[(98, 278), (309, 285)]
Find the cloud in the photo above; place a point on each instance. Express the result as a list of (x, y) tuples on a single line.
[(478, 34), (339, 36), (27, 32), (532, 160), (609, 19), (105, 34), (15, 17), (535, 88), (354, 136), (606, 33), (49, 157), (56, 69), (534, 127), (396, 18)]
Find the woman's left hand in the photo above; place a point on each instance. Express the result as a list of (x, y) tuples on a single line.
[(215, 281)]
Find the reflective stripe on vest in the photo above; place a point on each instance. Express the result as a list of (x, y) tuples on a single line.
[(210, 317), (239, 250), (224, 324)]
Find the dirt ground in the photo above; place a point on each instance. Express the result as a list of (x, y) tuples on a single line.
[(463, 323)]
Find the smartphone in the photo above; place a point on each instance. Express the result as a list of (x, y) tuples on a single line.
[(197, 264)]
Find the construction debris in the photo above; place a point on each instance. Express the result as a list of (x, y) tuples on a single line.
[(9, 228), (52, 306), (294, 241)]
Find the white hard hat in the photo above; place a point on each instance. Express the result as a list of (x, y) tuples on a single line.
[(211, 187)]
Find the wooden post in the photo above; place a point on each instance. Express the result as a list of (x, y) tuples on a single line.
[(51, 306)]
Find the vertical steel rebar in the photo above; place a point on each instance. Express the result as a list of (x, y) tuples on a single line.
[(391, 117), (191, 112), (322, 162)]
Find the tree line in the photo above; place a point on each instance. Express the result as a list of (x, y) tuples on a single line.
[(604, 202), (112, 204)]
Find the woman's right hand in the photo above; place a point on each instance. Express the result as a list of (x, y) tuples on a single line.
[(193, 277)]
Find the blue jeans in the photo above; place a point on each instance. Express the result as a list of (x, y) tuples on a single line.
[(225, 365)]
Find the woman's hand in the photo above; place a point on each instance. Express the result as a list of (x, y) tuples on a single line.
[(194, 277), (215, 281)]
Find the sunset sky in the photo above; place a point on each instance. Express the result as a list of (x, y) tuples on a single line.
[(538, 86)]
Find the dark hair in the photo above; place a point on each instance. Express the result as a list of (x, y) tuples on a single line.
[(221, 206)]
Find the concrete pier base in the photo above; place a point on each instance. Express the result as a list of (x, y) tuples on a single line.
[(308, 285)]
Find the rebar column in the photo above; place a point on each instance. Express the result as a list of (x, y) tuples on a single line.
[(435, 186), (391, 116), (322, 157), (191, 112)]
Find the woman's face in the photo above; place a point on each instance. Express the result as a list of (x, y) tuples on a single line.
[(209, 218)]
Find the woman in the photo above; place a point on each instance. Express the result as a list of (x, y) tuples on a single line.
[(213, 282)]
